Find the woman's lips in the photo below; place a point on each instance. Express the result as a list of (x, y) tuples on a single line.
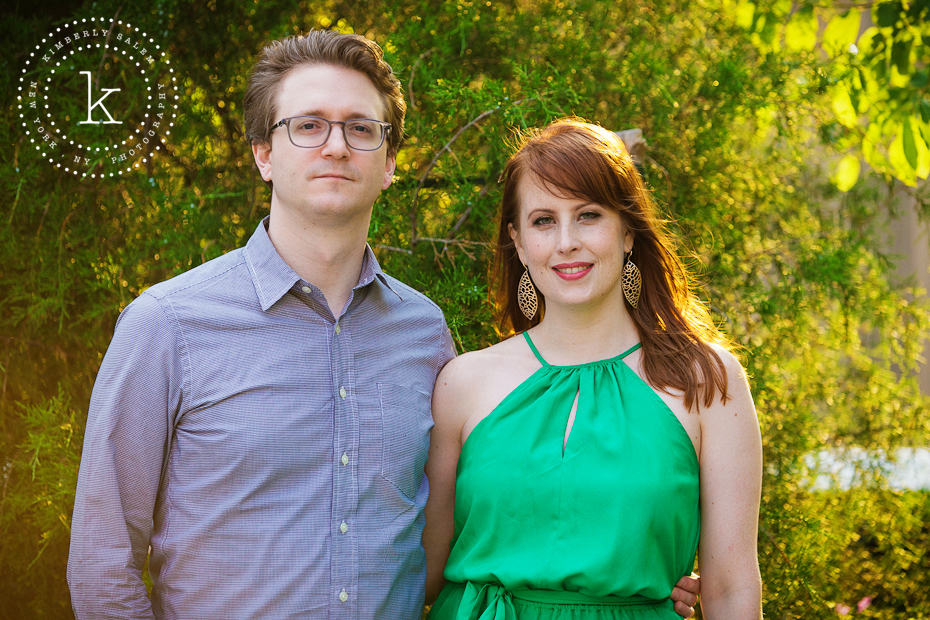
[(572, 271)]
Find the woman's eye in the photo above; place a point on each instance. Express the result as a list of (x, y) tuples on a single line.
[(542, 220), (590, 215)]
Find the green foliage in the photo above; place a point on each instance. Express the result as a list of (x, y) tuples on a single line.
[(38, 494), (879, 78), (743, 121), (881, 537)]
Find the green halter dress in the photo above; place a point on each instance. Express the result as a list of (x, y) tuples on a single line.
[(600, 531)]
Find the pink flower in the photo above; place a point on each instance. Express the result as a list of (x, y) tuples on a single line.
[(842, 609), (864, 604)]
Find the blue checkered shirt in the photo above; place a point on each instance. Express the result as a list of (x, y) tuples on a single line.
[(269, 453)]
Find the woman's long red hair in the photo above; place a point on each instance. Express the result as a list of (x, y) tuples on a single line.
[(577, 159)]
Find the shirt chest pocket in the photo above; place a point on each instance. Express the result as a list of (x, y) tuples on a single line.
[(405, 425)]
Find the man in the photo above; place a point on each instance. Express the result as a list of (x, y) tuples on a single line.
[(261, 422)]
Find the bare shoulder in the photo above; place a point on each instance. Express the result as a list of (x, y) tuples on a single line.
[(472, 384), (731, 364), (739, 398), (474, 367)]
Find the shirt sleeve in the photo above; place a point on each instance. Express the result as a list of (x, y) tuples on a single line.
[(132, 408), (446, 346)]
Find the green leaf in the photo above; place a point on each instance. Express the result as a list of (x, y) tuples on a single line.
[(924, 130), (870, 151), (765, 35), (901, 165), (869, 41), (843, 107), (744, 14), (801, 30), (901, 55), (918, 9), (887, 14), (782, 8), (920, 79), (921, 135), (908, 143), (841, 32), (846, 173)]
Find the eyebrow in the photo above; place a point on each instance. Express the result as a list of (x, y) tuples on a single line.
[(578, 207), (350, 116)]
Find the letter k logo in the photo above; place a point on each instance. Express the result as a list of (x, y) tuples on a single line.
[(90, 106)]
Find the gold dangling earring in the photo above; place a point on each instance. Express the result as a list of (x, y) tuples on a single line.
[(631, 281), (526, 296)]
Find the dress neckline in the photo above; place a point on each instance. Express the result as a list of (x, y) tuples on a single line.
[(610, 360)]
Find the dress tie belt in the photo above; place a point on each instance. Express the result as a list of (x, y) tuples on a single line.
[(492, 601), (486, 601)]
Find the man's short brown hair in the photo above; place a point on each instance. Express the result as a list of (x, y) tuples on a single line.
[(320, 47)]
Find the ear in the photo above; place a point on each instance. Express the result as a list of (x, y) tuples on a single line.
[(389, 166), (515, 237), (261, 151), (627, 241)]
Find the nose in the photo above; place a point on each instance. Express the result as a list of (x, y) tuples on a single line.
[(568, 238), (335, 145)]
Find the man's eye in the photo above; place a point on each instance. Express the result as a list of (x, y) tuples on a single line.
[(309, 126), (361, 128)]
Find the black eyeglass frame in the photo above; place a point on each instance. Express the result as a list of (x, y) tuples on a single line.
[(286, 122)]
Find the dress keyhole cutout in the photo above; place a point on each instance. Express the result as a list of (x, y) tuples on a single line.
[(571, 421)]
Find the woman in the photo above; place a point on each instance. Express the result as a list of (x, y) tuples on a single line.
[(577, 467)]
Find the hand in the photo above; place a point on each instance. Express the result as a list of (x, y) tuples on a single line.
[(685, 594)]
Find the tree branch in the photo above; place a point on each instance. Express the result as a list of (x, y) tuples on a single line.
[(432, 164), (446, 147), (106, 46), (413, 69)]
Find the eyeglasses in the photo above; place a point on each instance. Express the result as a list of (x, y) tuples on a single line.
[(310, 132)]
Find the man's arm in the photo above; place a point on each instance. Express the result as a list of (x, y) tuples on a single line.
[(135, 397)]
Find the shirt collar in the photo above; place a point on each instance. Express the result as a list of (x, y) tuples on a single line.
[(273, 278), (371, 270)]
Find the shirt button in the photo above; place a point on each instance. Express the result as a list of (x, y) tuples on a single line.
[(306, 289), (343, 527), (342, 392), (345, 459), (338, 328), (343, 596)]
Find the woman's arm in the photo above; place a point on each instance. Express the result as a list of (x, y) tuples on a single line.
[(731, 483), (444, 449)]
